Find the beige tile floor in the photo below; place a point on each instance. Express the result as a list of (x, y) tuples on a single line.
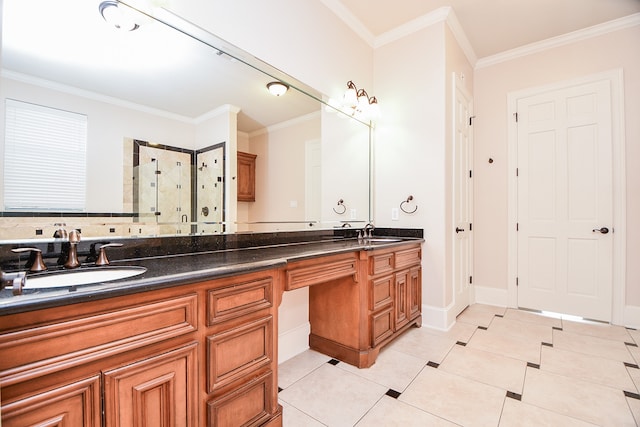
[(495, 367)]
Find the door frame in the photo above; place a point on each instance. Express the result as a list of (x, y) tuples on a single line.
[(615, 78)]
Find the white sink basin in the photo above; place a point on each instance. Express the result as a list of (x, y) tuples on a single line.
[(81, 277)]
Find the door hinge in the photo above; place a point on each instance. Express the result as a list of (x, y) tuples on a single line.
[(470, 280), (470, 226), (517, 172), (471, 120), (516, 116), (517, 226), (470, 174), (517, 284)]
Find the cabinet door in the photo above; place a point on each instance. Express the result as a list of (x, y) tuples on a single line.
[(75, 404), (402, 293), (158, 391), (246, 177), (415, 292)]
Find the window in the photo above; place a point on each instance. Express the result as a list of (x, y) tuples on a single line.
[(44, 158)]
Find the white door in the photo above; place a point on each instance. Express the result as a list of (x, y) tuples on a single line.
[(462, 199), (565, 214)]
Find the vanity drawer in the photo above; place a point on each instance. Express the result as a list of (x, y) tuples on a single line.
[(238, 300), (249, 405), (45, 349), (381, 292), (234, 353), (407, 258), (381, 325), (313, 272), (381, 263)]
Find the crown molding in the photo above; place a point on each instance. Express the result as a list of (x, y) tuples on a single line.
[(461, 38), (218, 111), (48, 84), (572, 37), (285, 124), (350, 19), (411, 27)]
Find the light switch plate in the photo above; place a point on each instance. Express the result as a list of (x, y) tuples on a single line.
[(394, 214)]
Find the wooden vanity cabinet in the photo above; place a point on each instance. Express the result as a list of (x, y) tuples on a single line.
[(355, 314), (191, 355)]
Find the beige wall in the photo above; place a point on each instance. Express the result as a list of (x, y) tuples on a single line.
[(492, 84), (280, 171), (409, 145)]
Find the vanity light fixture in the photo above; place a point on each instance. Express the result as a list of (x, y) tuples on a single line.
[(357, 103), (277, 88), (117, 15)]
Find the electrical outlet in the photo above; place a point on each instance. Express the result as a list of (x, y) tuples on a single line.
[(353, 214), (394, 214)]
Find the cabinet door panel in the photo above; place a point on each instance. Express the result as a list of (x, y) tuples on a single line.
[(75, 404), (401, 309), (159, 391), (415, 292), (381, 292), (381, 325)]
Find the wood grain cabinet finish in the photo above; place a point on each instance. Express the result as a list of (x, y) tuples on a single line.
[(182, 356), (353, 316), (246, 177), (158, 391), (73, 404)]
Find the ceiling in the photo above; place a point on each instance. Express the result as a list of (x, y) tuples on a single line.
[(491, 26)]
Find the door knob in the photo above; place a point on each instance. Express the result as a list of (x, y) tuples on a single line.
[(603, 230), (459, 230)]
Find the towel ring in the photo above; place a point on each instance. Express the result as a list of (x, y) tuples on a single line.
[(344, 208), (409, 199)]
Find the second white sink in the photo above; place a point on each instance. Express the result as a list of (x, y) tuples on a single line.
[(81, 277)]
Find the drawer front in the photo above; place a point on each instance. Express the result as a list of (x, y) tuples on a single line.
[(74, 404), (42, 350), (238, 300), (381, 292), (321, 271), (249, 405), (381, 263), (237, 352), (381, 325), (407, 258)]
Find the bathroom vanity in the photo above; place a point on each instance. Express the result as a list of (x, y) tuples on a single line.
[(194, 340)]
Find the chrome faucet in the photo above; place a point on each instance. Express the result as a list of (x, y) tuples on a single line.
[(72, 255)]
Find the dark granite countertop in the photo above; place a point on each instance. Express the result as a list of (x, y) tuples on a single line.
[(174, 269)]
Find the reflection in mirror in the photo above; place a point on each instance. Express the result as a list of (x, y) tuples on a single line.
[(177, 86)]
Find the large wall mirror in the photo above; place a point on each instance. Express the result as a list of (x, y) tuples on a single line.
[(168, 106)]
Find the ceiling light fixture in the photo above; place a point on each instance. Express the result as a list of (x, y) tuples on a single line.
[(277, 88), (117, 15), (358, 104)]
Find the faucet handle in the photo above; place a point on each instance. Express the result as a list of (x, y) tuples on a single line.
[(35, 262), (102, 255)]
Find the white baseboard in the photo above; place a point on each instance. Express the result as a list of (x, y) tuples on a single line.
[(631, 316), (438, 318), (293, 342), (491, 296)]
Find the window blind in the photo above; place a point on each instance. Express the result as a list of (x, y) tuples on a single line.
[(44, 158)]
